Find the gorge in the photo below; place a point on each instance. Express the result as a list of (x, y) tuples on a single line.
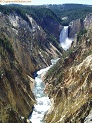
[(33, 37), (25, 47), (43, 102)]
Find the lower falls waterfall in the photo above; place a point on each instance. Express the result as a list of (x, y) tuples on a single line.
[(65, 41)]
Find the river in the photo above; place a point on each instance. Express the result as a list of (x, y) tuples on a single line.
[(43, 101)]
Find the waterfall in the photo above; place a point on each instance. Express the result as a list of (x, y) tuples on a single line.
[(65, 41)]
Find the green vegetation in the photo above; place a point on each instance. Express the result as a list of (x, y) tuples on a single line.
[(9, 74), (70, 11), (5, 44), (37, 13), (43, 16), (54, 41), (14, 9), (81, 33)]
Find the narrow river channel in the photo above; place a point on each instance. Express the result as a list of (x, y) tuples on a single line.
[(43, 101)]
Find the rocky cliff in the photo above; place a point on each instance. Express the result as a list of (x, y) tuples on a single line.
[(16, 98), (74, 27), (34, 28), (48, 20), (69, 84), (32, 45), (88, 21), (78, 25), (28, 41), (25, 46)]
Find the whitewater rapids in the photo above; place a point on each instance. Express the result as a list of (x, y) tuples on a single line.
[(43, 101)]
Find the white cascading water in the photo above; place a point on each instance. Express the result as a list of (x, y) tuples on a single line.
[(43, 101), (65, 41)]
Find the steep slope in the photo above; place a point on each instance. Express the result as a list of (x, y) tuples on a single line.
[(30, 43), (24, 48), (78, 27), (69, 83), (16, 98), (47, 19)]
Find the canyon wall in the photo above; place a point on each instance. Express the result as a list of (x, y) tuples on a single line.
[(69, 83), (25, 47)]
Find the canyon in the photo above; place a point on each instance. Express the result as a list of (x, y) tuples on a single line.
[(24, 48), (69, 82), (29, 40)]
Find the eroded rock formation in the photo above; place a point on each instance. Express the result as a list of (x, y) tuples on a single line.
[(69, 84), (24, 48)]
